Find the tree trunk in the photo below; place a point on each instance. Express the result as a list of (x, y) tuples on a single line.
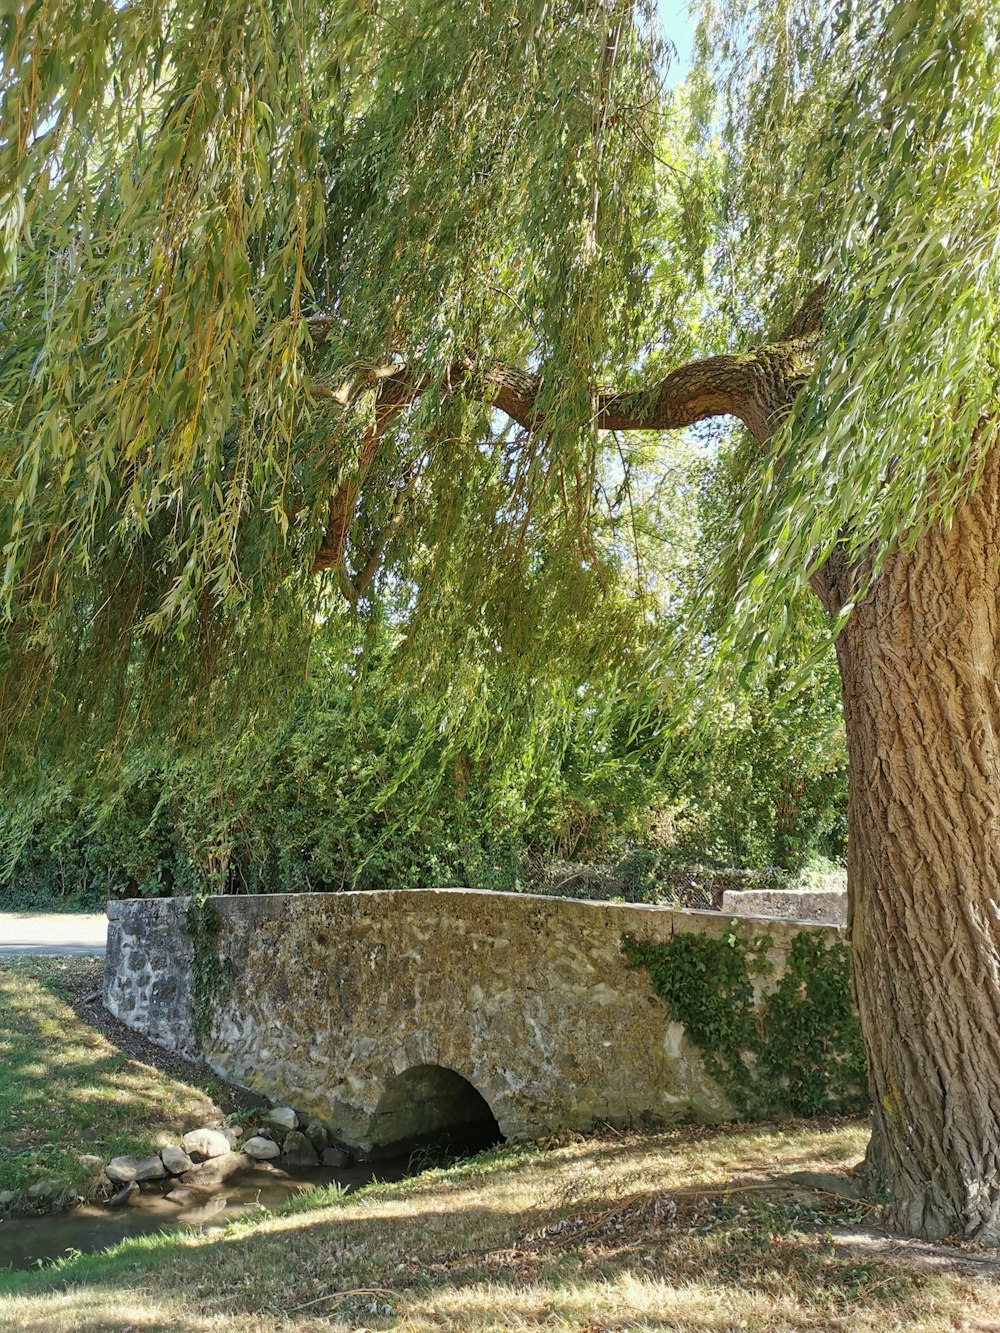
[(920, 666)]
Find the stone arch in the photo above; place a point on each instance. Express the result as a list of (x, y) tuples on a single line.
[(427, 1103)]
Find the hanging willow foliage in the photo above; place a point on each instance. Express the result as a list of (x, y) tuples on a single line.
[(301, 288), (223, 229), (864, 151)]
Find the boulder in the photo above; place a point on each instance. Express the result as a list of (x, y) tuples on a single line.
[(151, 1168), (217, 1169), (260, 1148), (298, 1151), (201, 1144), (126, 1194), (7, 1197), (175, 1160), (336, 1157), (281, 1118), (91, 1162), (233, 1133), (122, 1170), (44, 1191), (318, 1135)]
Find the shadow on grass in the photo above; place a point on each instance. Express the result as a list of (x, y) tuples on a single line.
[(65, 1089), (434, 1251)]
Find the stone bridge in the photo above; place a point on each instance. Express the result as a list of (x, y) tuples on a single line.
[(392, 1015)]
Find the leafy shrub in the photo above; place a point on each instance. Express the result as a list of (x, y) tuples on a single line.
[(374, 783)]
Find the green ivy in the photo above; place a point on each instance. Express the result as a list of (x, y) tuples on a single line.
[(812, 1049), (796, 1052), (212, 973)]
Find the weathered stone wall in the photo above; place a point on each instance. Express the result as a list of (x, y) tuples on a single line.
[(323, 1000), (827, 905)]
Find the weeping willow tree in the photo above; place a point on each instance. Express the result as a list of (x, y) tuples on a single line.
[(268, 270), (364, 300)]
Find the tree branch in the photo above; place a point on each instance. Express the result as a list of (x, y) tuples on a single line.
[(757, 388), (395, 392)]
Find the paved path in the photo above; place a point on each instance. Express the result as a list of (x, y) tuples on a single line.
[(52, 932)]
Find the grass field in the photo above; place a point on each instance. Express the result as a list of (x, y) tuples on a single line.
[(696, 1231), (66, 1091)]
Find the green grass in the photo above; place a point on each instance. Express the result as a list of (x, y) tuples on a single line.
[(693, 1231), (66, 1091)]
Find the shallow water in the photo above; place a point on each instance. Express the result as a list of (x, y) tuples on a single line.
[(26, 1242)]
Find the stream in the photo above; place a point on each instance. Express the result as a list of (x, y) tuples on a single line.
[(27, 1242)]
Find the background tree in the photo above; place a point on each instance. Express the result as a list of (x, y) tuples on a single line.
[(535, 780), (276, 275)]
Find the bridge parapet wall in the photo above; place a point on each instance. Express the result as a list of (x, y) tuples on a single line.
[(323, 999)]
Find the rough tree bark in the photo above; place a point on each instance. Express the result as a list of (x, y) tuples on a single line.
[(920, 670), (919, 661)]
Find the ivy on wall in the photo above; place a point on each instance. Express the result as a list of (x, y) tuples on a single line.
[(211, 972), (798, 1051)]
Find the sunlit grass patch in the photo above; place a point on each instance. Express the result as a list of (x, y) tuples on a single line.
[(693, 1231), (65, 1090)]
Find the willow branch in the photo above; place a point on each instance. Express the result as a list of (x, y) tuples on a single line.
[(756, 388), (395, 393)]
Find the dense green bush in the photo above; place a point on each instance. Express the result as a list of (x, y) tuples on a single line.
[(395, 767), (381, 786)]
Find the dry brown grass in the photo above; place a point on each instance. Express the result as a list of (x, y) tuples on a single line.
[(693, 1230)]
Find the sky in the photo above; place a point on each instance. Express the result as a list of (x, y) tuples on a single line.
[(679, 29)]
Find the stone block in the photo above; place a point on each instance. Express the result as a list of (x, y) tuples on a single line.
[(200, 1144), (217, 1170), (175, 1160), (261, 1149), (151, 1168), (281, 1118), (298, 1151), (825, 905), (122, 1170)]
